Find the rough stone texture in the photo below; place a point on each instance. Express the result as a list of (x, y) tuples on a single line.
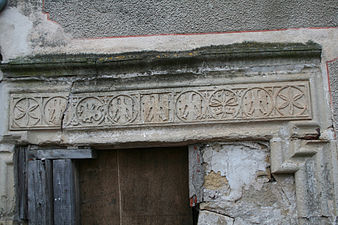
[(208, 218), (90, 19), (204, 70), (333, 75), (238, 185)]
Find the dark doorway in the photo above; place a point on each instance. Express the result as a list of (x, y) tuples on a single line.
[(135, 186)]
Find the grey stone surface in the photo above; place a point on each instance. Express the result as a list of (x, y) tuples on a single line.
[(90, 19), (238, 184), (333, 75), (210, 218)]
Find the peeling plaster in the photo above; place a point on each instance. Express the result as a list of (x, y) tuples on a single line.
[(237, 164), (255, 197)]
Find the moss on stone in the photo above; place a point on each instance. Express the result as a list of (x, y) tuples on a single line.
[(63, 64)]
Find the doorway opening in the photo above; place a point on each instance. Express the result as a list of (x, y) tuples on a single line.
[(135, 186)]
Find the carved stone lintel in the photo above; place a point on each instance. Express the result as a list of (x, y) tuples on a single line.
[(163, 107)]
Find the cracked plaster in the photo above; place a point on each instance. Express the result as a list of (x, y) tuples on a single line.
[(255, 196)]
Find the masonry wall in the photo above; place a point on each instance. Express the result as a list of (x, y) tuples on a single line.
[(239, 188), (37, 27)]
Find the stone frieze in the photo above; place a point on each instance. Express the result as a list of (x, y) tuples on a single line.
[(161, 107)]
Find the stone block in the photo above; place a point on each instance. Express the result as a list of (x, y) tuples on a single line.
[(211, 218)]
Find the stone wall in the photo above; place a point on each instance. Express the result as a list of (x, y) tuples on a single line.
[(239, 188)]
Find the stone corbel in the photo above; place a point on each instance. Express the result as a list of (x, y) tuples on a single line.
[(313, 160)]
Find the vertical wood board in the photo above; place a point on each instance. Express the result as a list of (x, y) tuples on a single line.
[(136, 186), (21, 171), (40, 204), (99, 189), (64, 192)]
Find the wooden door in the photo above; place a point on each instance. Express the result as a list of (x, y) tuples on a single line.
[(138, 186), (47, 185)]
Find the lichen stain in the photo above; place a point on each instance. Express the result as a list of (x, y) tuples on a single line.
[(215, 181), (120, 57)]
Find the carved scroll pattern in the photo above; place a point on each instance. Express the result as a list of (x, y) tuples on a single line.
[(174, 106)]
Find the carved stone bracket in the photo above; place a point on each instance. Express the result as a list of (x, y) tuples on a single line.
[(313, 161)]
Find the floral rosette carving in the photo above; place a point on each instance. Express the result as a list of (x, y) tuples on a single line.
[(27, 112), (224, 104), (291, 101)]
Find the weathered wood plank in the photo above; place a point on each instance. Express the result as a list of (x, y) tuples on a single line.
[(136, 186), (64, 192), (63, 154), (40, 204), (21, 190), (76, 180), (99, 188), (154, 186)]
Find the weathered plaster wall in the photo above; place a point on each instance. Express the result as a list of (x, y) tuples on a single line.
[(239, 189), (91, 19), (27, 28)]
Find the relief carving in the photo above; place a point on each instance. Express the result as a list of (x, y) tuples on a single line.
[(36, 110), (90, 110), (190, 106), (257, 103), (26, 112), (291, 100), (171, 106), (122, 110), (224, 104), (155, 108), (54, 109)]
